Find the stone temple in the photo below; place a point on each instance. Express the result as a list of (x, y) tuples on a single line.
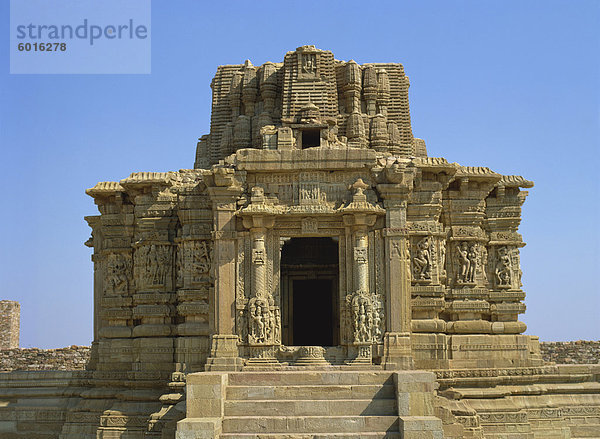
[(315, 275)]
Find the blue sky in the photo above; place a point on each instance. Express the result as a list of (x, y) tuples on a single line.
[(513, 85)]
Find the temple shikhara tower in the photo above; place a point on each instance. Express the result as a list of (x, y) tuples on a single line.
[(316, 274)]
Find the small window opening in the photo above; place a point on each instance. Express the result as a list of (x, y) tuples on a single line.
[(311, 138)]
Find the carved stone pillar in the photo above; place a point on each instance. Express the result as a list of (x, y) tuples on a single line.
[(503, 215), (260, 313), (359, 216), (467, 307), (224, 353), (193, 263), (361, 261), (259, 271), (397, 339), (428, 262)]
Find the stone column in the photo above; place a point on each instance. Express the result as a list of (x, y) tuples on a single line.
[(224, 353), (428, 262), (260, 311), (397, 339), (359, 216), (361, 262), (259, 269)]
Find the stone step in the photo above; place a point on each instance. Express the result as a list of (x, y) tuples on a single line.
[(310, 424), (309, 378), (300, 392), (339, 407), (367, 435)]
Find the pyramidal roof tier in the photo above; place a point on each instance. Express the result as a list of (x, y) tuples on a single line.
[(309, 100)]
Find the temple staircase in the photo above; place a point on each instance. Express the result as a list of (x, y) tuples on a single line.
[(306, 404), (310, 404)]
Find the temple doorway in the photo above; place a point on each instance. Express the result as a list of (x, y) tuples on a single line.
[(309, 292)]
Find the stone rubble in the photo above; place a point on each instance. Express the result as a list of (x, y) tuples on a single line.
[(68, 358), (75, 357), (571, 352)]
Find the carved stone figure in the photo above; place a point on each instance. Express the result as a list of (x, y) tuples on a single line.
[(309, 63), (422, 259), (443, 257), (503, 267), (261, 322), (464, 262), (473, 256), (365, 317), (117, 279), (161, 263), (179, 265)]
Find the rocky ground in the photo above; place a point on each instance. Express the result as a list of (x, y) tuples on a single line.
[(75, 357)]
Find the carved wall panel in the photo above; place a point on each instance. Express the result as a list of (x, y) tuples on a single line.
[(153, 266), (365, 312), (197, 259), (264, 322), (117, 274), (504, 267), (422, 259), (469, 260)]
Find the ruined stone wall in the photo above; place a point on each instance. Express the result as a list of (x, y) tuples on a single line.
[(69, 358), (10, 315), (571, 352)]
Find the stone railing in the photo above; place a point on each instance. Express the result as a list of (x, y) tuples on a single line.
[(571, 352), (69, 358)]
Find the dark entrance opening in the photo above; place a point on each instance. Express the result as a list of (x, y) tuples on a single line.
[(312, 297), (311, 138), (309, 287)]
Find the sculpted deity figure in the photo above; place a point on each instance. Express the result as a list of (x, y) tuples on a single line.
[(362, 327), (463, 260), (241, 324), (377, 319), (503, 267), (258, 327), (116, 274), (422, 260), (152, 264), (202, 259), (443, 256), (179, 265), (363, 317), (277, 327), (162, 260), (473, 255), (261, 322), (308, 63), (269, 324)]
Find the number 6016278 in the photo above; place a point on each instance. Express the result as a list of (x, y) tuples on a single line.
[(42, 47)]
